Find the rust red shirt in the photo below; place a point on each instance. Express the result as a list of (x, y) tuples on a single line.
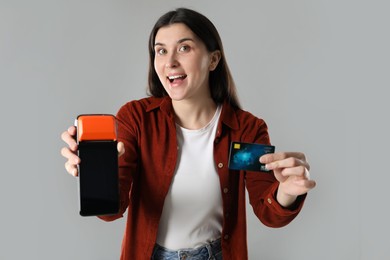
[(148, 130)]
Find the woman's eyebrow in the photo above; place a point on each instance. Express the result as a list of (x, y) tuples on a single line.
[(184, 40), (158, 44), (179, 41)]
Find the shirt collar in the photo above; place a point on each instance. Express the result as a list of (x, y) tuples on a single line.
[(229, 116), (164, 103)]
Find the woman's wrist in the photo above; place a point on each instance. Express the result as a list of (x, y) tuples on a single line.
[(284, 199)]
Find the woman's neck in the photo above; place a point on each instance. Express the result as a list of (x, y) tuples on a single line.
[(194, 115)]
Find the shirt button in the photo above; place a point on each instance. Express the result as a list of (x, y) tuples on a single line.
[(269, 201), (226, 237), (225, 190), (220, 165)]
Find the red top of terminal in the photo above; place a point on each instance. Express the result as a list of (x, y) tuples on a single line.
[(96, 127)]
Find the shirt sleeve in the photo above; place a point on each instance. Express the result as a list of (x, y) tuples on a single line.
[(262, 189)]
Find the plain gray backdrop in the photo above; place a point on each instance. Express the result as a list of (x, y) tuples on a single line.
[(316, 71)]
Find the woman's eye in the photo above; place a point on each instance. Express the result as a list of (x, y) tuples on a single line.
[(161, 51), (184, 48)]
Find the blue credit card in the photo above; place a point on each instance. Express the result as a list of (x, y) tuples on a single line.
[(245, 156)]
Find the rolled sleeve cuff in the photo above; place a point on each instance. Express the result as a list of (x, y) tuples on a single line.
[(273, 214)]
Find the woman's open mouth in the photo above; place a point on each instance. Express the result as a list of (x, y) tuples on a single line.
[(176, 78)]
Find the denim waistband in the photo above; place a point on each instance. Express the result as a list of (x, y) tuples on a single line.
[(208, 251)]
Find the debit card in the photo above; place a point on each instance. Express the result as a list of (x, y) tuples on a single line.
[(245, 156)]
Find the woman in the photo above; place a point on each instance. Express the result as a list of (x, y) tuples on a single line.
[(182, 200)]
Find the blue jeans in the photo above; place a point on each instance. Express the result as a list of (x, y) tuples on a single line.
[(211, 251)]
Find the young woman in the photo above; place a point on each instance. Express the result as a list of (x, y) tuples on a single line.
[(182, 200)]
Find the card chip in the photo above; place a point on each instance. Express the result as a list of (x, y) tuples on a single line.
[(237, 146)]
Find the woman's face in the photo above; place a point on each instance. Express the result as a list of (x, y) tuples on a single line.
[(183, 63)]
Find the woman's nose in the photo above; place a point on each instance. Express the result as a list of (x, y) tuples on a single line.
[(172, 61)]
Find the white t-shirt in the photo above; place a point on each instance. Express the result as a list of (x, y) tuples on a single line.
[(192, 213)]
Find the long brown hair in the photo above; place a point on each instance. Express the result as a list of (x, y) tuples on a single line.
[(221, 82)]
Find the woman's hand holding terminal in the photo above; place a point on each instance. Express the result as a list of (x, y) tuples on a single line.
[(70, 152)]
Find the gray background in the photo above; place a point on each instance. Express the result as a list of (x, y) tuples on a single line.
[(316, 71)]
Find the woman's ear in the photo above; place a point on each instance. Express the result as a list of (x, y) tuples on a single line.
[(215, 58)]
